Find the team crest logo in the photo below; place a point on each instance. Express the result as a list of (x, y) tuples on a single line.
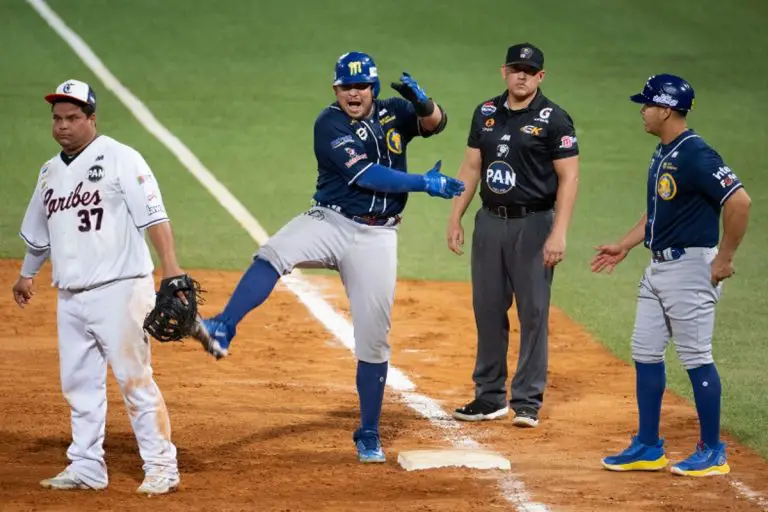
[(526, 53), (502, 150), (362, 133), (394, 141), (667, 188), (95, 173), (500, 177), (67, 87)]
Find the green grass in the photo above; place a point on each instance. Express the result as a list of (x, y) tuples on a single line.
[(242, 83)]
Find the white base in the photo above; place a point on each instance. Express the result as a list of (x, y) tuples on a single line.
[(430, 459)]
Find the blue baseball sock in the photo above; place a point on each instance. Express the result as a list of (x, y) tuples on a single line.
[(253, 289), (651, 379), (371, 379), (706, 392)]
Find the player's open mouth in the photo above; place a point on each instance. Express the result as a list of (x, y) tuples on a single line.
[(355, 104)]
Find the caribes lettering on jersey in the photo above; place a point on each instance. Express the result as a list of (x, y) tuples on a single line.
[(75, 199)]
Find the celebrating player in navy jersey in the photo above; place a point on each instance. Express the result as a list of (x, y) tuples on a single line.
[(362, 188)]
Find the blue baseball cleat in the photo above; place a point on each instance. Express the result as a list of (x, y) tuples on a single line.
[(215, 335), (638, 457), (705, 461), (368, 447)]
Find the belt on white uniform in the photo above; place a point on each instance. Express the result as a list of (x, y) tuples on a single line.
[(102, 283)]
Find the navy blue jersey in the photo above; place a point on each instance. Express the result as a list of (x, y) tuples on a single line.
[(687, 186), (345, 148)]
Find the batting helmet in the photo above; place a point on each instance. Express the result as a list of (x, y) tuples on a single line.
[(666, 91), (357, 68)]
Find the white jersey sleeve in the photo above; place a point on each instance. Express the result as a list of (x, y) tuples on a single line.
[(34, 227), (142, 192)]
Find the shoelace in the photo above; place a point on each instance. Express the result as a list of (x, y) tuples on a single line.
[(370, 443)]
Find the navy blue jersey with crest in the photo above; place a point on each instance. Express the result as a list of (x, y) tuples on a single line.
[(345, 148), (687, 186)]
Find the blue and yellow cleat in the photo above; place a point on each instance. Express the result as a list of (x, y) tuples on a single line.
[(368, 447), (705, 461), (638, 457), (215, 335)]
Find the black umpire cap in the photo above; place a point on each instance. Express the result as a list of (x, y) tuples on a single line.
[(527, 54)]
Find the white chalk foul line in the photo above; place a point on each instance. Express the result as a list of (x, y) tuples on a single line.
[(512, 488)]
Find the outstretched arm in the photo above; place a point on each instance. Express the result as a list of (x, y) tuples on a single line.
[(384, 179), (610, 255)]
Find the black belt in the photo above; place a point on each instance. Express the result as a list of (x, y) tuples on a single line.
[(368, 220), (372, 220), (514, 211)]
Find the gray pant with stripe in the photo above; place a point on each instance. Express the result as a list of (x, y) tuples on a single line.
[(507, 265), (676, 299)]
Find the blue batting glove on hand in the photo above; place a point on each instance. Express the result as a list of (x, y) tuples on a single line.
[(410, 89), (437, 184)]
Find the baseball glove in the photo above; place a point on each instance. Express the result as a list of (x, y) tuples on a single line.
[(173, 318)]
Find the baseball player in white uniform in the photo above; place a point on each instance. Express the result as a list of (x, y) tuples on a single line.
[(88, 213)]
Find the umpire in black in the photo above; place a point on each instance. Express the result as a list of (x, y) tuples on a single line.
[(523, 152)]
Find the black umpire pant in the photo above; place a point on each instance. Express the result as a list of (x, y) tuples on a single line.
[(507, 263)]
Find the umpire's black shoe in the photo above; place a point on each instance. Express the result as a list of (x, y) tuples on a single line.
[(480, 410), (526, 417)]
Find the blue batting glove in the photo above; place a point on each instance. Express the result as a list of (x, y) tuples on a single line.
[(414, 86), (437, 184), (410, 89)]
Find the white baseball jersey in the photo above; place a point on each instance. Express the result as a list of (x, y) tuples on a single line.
[(92, 213)]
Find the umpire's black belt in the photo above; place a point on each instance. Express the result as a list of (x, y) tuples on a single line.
[(514, 211)]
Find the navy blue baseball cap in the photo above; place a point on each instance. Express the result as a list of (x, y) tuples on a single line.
[(666, 90), (527, 54), (73, 90)]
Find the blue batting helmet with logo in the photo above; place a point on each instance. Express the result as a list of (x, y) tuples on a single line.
[(357, 68), (666, 91)]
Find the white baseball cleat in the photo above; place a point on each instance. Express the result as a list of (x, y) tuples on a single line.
[(66, 480), (158, 484)]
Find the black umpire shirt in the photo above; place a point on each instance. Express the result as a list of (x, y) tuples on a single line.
[(518, 148)]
